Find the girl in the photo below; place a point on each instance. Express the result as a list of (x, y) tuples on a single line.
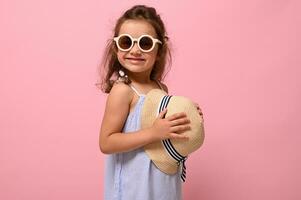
[(137, 54)]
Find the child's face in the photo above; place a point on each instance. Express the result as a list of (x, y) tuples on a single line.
[(135, 60)]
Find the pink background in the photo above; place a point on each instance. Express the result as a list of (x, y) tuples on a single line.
[(240, 60)]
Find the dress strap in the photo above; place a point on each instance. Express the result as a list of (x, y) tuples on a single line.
[(135, 90), (138, 93), (159, 84)]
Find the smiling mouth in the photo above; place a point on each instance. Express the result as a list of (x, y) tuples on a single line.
[(136, 59)]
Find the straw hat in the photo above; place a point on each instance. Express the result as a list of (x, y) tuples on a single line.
[(169, 154)]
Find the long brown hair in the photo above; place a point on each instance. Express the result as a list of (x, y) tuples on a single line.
[(110, 65)]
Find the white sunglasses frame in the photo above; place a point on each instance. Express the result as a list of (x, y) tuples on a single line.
[(116, 39)]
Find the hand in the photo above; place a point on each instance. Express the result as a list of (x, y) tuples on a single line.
[(170, 127)]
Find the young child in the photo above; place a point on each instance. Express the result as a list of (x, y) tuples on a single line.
[(137, 55)]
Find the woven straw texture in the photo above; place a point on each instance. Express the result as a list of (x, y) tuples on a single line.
[(156, 150)]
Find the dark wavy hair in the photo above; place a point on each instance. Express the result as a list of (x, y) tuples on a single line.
[(110, 65)]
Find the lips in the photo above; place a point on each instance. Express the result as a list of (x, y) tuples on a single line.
[(136, 59)]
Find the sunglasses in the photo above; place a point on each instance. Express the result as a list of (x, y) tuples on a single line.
[(146, 43)]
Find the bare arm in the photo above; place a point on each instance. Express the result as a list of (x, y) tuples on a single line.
[(112, 140)]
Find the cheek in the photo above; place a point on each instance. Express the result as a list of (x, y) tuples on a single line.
[(151, 60), (156, 53), (153, 55), (120, 56)]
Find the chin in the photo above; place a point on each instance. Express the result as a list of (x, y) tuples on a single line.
[(136, 68)]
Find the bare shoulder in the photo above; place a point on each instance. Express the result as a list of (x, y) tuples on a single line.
[(122, 91), (120, 97), (117, 108)]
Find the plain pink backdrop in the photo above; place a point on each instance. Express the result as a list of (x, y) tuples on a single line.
[(240, 60)]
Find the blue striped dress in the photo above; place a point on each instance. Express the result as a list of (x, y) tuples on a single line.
[(133, 176)]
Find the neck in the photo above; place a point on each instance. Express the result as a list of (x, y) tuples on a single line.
[(142, 78)]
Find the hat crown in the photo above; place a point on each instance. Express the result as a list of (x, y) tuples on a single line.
[(154, 102)]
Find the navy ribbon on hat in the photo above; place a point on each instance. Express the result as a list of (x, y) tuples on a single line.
[(168, 145)]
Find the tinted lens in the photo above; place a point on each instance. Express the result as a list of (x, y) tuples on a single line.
[(125, 42), (146, 43)]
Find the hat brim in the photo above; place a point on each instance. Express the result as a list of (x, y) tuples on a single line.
[(156, 151)]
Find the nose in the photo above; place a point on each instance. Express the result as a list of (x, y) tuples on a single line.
[(135, 48)]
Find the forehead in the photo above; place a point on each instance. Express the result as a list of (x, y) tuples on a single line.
[(137, 28)]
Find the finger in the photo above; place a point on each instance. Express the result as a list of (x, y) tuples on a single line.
[(178, 136), (162, 113), (180, 121), (176, 116), (181, 128), (180, 132)]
